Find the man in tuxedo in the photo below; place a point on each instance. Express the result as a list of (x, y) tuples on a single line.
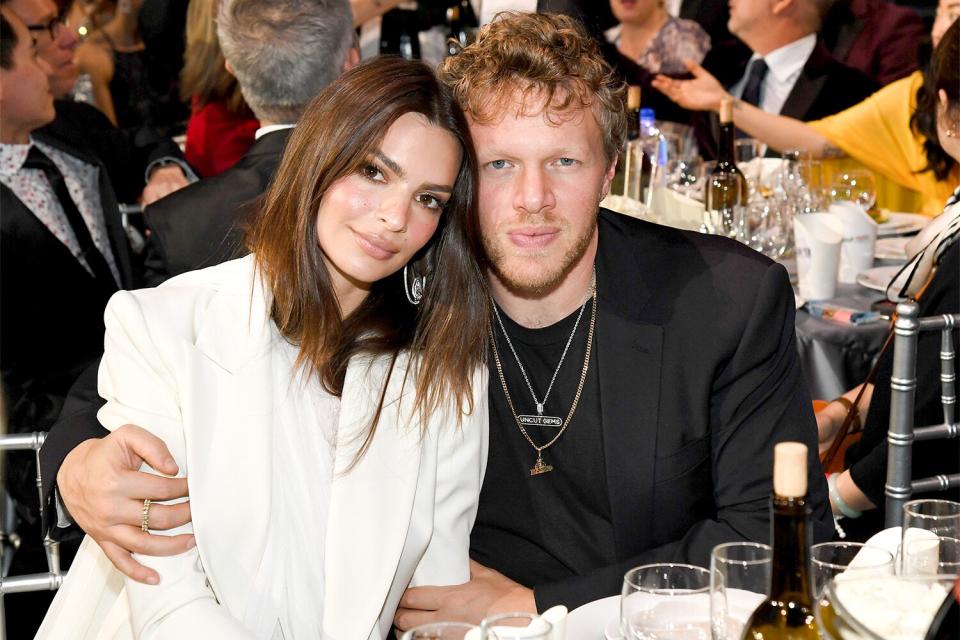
[(279, 71), (138, 163), (789, 71), (679, 374)]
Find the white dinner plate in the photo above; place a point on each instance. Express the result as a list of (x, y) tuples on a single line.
[(891, 248), (878, 278), (900, 224), (599, 620)]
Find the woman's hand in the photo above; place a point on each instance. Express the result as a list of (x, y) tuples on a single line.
[(703, 93)]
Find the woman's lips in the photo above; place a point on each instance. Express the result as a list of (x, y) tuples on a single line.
[(375, 246), (534, 237)]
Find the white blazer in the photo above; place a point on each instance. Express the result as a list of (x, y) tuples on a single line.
[(190, 361)]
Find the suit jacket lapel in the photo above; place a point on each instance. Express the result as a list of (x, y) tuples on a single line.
[(371, 503), (629, 353), (808, 86)]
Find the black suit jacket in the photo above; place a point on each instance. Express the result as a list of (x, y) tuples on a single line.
[(700, 377), (51, 310), (125, 154), (823, 88), (202, 224)]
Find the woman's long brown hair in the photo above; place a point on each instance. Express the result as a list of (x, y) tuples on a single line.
[(337, 135)]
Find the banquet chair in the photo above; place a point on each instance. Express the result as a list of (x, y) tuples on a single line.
[(52, 579), (903, 386)]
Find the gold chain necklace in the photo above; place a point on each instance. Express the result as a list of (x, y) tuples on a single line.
[(539, 466)]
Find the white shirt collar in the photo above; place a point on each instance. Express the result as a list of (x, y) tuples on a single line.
[(262, 131), (786, 62), (12, 157)]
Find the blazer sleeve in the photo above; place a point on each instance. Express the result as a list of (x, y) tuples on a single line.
[(139, 387), (461, 459), (758, 399)]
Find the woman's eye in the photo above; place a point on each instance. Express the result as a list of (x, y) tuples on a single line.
[(371, 172), (498, 164), (430, 202)]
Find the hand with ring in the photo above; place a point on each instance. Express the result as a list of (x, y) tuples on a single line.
[(113, 501)]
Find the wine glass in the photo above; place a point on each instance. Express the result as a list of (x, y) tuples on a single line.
[(665, 602), (515, 626), (739, 582), (926, 520), (848, 560), (442, 631), (857, 186)]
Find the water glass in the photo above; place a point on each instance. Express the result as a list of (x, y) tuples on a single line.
[(931, 556), (739, 582), (939, 517), (765, 227), (855, 186), (844, 560), (514, 626), (665, 602), (442, 631)]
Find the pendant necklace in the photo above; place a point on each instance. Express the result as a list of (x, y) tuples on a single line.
[(525, 420)]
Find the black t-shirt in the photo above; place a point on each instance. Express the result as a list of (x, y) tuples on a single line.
[(536, 529)]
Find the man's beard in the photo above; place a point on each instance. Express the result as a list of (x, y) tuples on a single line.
[(534, 285)]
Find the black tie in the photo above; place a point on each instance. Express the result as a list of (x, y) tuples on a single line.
[(755, 76), (36, 159)]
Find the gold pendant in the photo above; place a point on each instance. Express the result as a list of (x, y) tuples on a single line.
[(540, 467)]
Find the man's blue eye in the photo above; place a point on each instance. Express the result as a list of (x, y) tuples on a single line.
[(498, 164)]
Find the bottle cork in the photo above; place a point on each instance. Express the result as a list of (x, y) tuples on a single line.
[(633, 97), (790, 469), (726, 110)]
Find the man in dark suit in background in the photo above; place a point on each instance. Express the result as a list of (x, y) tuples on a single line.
[(203, 224), (789, 71)]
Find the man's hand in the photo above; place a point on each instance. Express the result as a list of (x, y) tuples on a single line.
[(103, 489), (703, 93), (163, 181), (487, 593)]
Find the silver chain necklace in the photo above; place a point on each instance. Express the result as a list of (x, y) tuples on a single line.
[(540, 419)]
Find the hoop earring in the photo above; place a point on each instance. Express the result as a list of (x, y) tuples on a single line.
[(413, 289)]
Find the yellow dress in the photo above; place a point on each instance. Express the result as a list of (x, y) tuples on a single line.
[(877, 134)]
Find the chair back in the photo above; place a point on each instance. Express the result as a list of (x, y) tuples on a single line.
[(903, 388)]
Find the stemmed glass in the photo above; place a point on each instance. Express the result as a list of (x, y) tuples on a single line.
[(665, 601), (739, 582), (848, 560), (858, 186)]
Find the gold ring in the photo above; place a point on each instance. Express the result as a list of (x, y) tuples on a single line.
[(145, 522)]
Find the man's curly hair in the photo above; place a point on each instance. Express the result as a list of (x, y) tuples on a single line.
[(547, 60)]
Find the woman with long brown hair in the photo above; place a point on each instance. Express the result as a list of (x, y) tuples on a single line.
[(325, 396)]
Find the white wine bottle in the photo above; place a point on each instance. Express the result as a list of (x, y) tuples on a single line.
[(726, 190), (788, 613)]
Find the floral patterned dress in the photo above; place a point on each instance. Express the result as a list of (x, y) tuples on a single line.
[(677, 40)]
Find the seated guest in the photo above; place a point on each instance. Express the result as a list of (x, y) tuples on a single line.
[(789, 72), (142, 166), (360, 417), (935, 285), (875, 37), (283, 53), (893, 132), (221, 127), (654, 39)]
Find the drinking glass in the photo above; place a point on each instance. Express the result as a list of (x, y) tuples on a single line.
[(739, 582), (857, 186), (746, 149), (939, 517), (844, 560), (665, 602), (514, 626), (931, 556), (765, 228), (441, 631)]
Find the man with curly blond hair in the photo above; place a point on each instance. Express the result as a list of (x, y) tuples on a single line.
[(640, 375)]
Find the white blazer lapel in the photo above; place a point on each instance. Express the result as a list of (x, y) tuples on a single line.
[(227, 415), (371, 503)]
